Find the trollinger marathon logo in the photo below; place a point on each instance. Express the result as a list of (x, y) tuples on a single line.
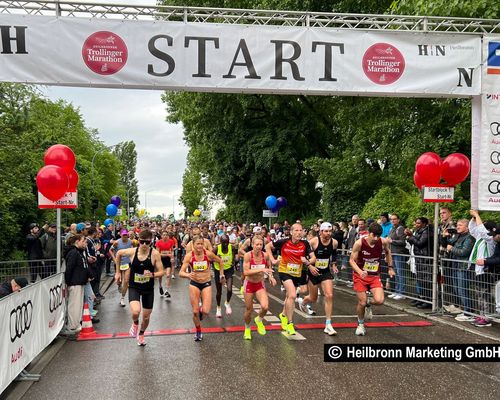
[(105, 53), (383, 64)]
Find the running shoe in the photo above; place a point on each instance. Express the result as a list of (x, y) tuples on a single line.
[(167, 294), (464, 318), (482, 322), (361, 330), (282, 288), (229, 310), (310, 311), (161, 291), (218, 313), (140, 340), (201, 313), (173, 276), (329, 330), (284, 321), (368, 313), (260, 326), (134, 329), (290, 329), (241, 289), (93, 313), (198, 337), (248, 334), (392, 295), (122, 302), (302, 306)]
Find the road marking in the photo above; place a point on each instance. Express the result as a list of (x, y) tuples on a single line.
[(272, 318)]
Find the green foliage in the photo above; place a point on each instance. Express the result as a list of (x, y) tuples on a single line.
[(127, 155), (30, 124), (456, 8)]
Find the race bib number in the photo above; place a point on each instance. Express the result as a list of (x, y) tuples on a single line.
[(124, 267), (257, 266), (200, 266), (371, 266), (139, 278), (322, 263), (293, 269)]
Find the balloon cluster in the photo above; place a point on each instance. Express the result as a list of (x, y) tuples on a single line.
[(430, 169), (196, 213), (112, 209), (58, 176), (275, 204)]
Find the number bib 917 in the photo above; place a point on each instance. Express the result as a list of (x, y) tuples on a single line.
[(199, 266), (371, 266), (322, 263)]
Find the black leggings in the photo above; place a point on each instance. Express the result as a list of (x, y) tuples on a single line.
[(218, 286)]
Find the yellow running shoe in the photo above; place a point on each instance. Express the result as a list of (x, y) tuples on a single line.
[(290, 329), (260, 326), (241, 289), (248, 334), (284, 321)]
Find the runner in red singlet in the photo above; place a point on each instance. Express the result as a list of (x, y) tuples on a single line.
[(365, 262)]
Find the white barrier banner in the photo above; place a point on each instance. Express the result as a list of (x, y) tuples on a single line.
[(488, 183), (236, 58), (31, 319)]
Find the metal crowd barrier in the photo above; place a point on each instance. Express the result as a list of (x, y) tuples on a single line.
[(460, 288), (32, 270)]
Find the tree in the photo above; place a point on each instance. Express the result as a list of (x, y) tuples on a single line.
[(125, 152)]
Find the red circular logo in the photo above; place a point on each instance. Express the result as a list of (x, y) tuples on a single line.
[(383, 64), (105, 53)]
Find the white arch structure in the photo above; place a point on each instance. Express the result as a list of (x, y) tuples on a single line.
[(260, 51)]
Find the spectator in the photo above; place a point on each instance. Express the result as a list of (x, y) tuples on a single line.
[(77, 275), (35, 253), (397, 241), (15, 285), (386, 225), (108, 239), (338, 234), (422, 244), (362, 229), (459, 248), (49, 251)]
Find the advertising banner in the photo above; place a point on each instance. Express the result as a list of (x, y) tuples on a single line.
[(236, 58), (486, 188), (31, 319)]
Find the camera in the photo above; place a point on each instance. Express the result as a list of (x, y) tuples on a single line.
[(452, 231)]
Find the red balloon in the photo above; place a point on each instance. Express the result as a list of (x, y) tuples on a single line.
[(428, 168), (73, 180), (52, 182), (455, 168), (60, 155), (417, 180)]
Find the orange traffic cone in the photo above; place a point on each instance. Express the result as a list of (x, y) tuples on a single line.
[(87, 328)]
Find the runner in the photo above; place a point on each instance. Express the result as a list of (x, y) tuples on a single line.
[(165, 246), (206, 243), (227, 253), (293, 255), (325, 249), (122, 264), (144, 267), (198, 260), (365, 262), (256, 266)]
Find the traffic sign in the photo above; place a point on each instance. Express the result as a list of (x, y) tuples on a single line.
[(438, 194), (269, 214)]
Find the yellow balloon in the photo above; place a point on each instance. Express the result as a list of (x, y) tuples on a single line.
[(197, 213), (141, 212)]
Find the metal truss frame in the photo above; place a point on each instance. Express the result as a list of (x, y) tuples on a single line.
[(253, 17)]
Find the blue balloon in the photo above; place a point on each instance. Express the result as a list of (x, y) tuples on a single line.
[(108, 221), (111, 210), (271, 201)]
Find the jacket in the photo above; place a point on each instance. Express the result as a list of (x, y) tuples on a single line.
[(492, 264), (77, 271), (462, 246), (398, 244), (34, 246), (423, 241), (5, 289), (49, 245)]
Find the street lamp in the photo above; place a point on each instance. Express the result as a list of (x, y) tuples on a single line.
[(128, 203), (146, 200), (93, 159)]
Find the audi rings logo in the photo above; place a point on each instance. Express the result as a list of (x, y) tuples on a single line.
[(494, 187), (20, 320), (55, 298), (495, 157), (495, 128)]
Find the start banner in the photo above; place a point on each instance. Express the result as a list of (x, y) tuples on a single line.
[(31, 319), (236, 58)]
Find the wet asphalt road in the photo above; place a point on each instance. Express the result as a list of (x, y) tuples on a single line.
[(224, 366)]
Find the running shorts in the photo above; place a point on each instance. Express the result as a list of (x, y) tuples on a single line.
[(199, 285), (147, 297), (252, 287), (323, 276), (369, 282), (297, 280), (228, 273)]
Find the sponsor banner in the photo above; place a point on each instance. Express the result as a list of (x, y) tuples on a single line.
[(488, 182), (236, 58), (269, 214), (69, 200), (31, 319)]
